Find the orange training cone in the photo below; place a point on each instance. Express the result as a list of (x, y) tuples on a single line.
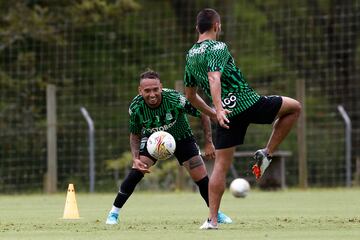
[(71, 210)]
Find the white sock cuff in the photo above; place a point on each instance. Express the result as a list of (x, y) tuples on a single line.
[(115, 209)]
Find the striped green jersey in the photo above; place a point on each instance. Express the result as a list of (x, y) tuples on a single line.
[(169, 116), (213, 56)]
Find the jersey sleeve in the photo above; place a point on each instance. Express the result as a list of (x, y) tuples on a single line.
[(217, 56), (189, 80), (134, 121), (187, 107)]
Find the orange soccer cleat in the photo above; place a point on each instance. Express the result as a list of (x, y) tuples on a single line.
[(263, 161)]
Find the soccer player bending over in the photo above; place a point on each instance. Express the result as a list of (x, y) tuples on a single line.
[(157, 109), (209, 65)]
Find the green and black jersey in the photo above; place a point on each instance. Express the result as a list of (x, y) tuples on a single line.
[(213, 56), (169, 116)]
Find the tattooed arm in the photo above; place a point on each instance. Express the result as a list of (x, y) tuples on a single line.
[(209, 146), (135, 147)]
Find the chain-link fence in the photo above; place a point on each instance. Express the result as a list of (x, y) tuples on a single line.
[(93, 52)]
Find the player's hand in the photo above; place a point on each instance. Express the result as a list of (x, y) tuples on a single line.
[(213, 118), (222, 119), (209, 151), (139, 165)]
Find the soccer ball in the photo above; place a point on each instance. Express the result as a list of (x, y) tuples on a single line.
[(161, 145), (239, 187)]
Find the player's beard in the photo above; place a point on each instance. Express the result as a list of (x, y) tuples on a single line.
[(154, 102), (218, 33)]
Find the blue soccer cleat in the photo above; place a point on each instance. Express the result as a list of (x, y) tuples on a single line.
[(222, 218), (112, 218)]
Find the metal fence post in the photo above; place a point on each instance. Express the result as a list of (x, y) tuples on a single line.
[(347, 121), (301, 134), (51, 174), (91, 148)]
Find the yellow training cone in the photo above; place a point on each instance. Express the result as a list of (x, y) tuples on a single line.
[(71, 210)]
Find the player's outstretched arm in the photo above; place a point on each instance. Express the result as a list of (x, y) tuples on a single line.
[(209, 150), (135, 146), (215, 90), (199, 103)]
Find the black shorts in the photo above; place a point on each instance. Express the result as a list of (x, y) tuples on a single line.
[(263, 111), (185, 149)]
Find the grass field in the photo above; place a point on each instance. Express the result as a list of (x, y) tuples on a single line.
[(293, 214)]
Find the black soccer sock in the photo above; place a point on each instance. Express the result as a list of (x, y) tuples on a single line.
[(203, 185), (127, 187)]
